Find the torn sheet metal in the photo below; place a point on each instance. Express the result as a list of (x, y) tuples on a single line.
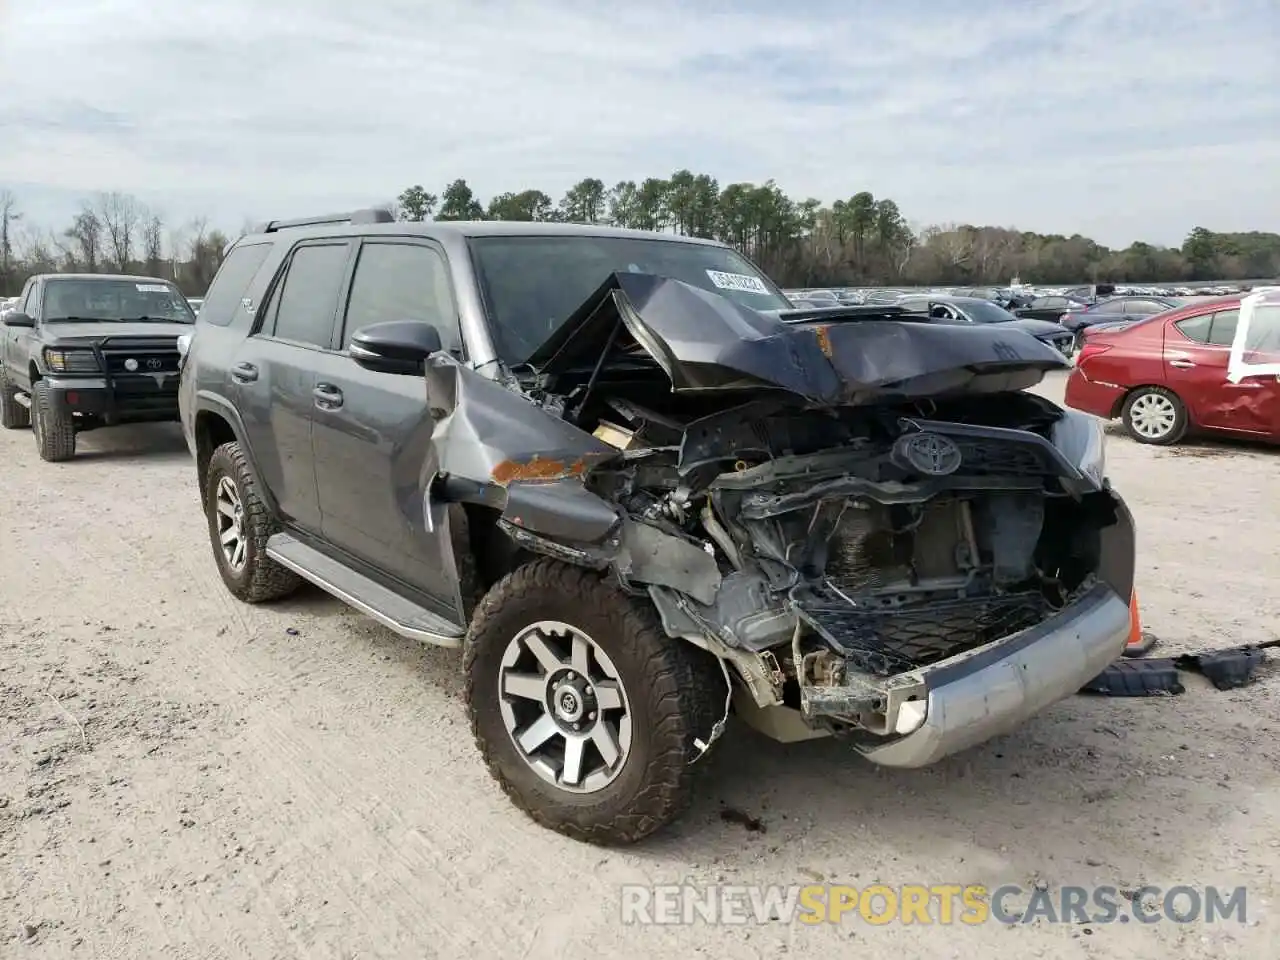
[(705, 342), (1255, 351)]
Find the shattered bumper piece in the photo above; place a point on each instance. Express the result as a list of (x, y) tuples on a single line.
[(990, 691)]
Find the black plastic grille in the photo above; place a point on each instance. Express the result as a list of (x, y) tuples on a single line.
[(149, 360), (1001, 458), (890, 640)]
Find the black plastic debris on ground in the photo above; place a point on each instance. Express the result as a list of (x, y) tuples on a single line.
[(1136, 678), (1227, 669), (1147, 677)]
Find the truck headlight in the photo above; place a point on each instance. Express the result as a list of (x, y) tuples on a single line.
[(71, 361), (1083, 441)]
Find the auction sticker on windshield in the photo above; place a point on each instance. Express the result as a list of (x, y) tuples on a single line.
[(738, 281), (151, 288)]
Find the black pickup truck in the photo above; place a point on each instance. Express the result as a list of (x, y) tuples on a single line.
[(90, 350)]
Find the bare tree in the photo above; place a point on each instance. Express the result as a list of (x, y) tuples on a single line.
[(8, 216), (120, 215), (153, 243), (40, 252), (85, 236)]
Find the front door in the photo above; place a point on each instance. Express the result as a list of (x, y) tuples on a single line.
[(372, 430), (272, 376), (1196, 359)]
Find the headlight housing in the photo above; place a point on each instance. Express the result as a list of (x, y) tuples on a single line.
[(71, 361), (1082, 439)]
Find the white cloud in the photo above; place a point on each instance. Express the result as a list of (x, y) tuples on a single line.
[(1120, 118)]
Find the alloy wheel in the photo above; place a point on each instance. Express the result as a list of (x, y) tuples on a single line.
[(565, 707), (231, 526)]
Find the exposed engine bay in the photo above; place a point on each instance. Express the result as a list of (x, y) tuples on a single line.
[(829, 534), (853, 547)]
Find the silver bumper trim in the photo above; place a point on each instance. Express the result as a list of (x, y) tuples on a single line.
[(972, 702)]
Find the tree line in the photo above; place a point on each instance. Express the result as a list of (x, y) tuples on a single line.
[(858, 241)]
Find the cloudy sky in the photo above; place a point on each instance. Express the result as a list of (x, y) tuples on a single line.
[(1120, 119)]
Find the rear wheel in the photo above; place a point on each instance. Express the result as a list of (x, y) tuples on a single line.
[(240, 524), (1154, 415), (583, 709), (13, 415), (54, 429)]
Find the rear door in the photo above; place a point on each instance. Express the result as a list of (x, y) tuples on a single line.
[(372, 430), (272, 375)]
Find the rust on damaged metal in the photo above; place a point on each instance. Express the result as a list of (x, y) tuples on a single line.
[(824, 340), (538, 468)]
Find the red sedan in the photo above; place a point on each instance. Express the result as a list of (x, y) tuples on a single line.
[(1166, 375)]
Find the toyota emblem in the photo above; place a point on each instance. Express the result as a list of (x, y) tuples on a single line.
[(131, 365), (928, 453), (154, 363)]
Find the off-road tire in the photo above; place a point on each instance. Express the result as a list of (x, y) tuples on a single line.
[(55, 430), (262, 579), (676, 692), (1181, 421), (13, 415)]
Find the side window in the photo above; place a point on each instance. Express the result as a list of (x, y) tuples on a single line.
[(1223, 330), (304, 304), (31, 299), (1196, 328), (402, 281), (231, 283), (1111, 307), (1145, 308)]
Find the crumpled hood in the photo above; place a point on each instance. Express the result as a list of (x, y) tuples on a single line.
[(88, 331), (706, 342)]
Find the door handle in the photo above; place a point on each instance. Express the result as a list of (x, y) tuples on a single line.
[(327, 396), (244, 373), (1181, 363)]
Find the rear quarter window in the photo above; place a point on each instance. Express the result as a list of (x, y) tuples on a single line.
[(230, 284), (1196, 328)]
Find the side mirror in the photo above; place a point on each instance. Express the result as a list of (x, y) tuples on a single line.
[(16, 318), (396, 346)]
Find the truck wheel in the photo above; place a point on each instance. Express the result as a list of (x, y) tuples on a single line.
[(239, 526), (1154, 415), (584, 710), (13, 415), (54, 430)]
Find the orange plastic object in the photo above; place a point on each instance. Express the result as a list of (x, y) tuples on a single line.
[(1139, 643)]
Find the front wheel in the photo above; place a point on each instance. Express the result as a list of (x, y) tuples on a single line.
[(1154, 415), (54, 429), (240, 523), (584, 710)]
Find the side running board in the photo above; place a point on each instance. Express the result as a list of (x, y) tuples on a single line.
[(373, 599)]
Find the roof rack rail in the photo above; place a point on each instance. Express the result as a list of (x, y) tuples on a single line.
[(367, 215)]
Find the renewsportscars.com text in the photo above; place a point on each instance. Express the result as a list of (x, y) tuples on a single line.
[(942, 904)]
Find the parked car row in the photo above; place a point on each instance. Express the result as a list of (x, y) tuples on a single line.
[(632, 481)]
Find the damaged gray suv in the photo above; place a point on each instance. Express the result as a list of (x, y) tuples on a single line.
[(641, 492)]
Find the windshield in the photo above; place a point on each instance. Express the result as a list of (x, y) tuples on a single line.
[(103, 299), (533, 284), (984, 311)]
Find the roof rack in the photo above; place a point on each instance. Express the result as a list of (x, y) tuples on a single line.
[(367, 215)]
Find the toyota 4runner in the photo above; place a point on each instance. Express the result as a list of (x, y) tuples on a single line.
[(90, 350), (642, 491)]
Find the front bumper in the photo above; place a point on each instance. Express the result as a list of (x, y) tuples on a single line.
[(131, 399), (994, 690)]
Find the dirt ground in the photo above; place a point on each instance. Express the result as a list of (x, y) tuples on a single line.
[(185, 776)]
